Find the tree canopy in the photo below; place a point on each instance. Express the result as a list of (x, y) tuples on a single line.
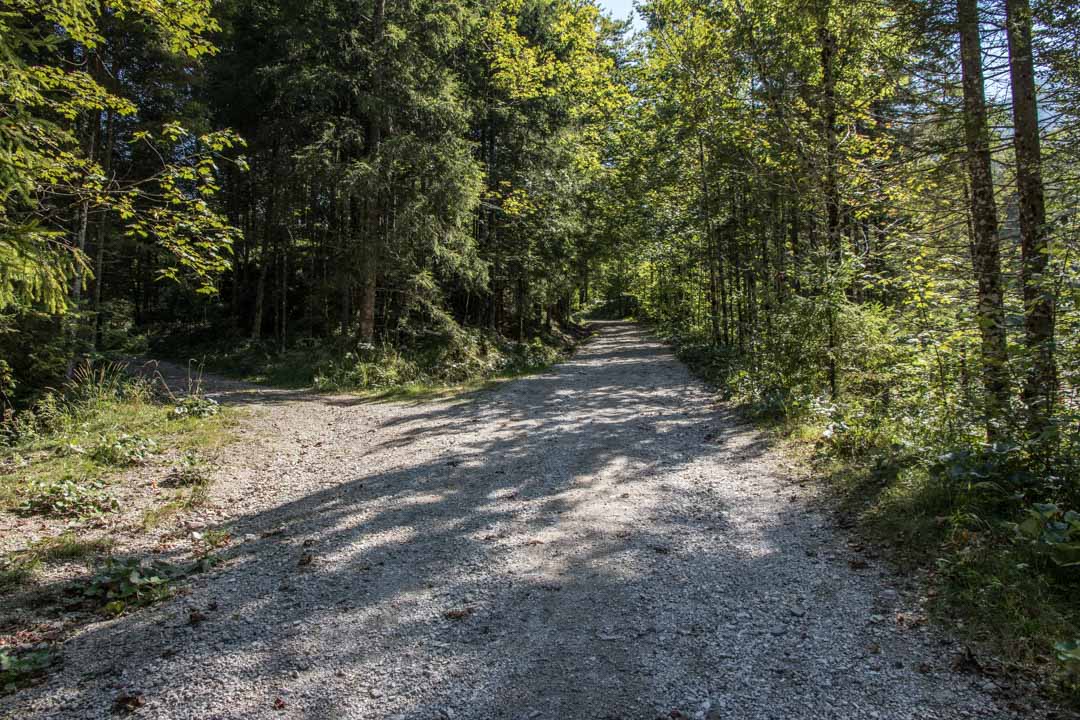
[(856, 211)]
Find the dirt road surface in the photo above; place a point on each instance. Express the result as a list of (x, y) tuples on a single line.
[(601, 540)]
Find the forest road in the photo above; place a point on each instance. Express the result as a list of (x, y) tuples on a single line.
[(600, 540)]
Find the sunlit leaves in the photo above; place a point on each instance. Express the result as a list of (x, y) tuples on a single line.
[(44, 163)]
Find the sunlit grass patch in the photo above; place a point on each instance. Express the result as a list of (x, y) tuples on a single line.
[(72, 445)]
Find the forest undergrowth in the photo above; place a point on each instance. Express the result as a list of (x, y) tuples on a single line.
[(989, 530)]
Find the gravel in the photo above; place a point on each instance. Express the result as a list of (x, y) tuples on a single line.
[(600, 540)]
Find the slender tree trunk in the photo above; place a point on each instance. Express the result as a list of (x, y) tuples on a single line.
[(373, 229), (832, 190), (990, 309), (265, 262), (83, 219), (102, 229), (77, 282), (1040, 386), (710, 236), (284, 300)]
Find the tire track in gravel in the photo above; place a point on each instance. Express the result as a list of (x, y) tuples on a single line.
[(596, 541)]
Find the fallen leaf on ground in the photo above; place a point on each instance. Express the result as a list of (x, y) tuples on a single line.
[(458, 613), (128, 702)]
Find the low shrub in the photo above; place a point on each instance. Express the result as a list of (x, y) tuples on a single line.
[(19, 668), (122, 584), (124, 450), (67, 498), (196, 405)]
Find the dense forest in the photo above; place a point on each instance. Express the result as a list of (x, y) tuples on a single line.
[(853, 214), (829, 199), (350, 174)]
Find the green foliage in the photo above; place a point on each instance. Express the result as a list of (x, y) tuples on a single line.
[(69, 443), (21, 668), (67, 498), (43, 155), (123, 584), (118, 331), (1053, 530), (787, 205), (196, 405), (454, 355), (123, 450)]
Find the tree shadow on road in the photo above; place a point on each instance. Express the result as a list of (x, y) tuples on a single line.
[(558, 547)]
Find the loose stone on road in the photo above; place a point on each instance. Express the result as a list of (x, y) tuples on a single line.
[(600, 540)]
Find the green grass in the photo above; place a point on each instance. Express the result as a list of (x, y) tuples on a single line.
[(67, 450), (64, 460), (18, 569)]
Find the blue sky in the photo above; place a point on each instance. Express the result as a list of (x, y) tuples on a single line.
[(619, 8)]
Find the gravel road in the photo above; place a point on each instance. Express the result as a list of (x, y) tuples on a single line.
[(597, 541)]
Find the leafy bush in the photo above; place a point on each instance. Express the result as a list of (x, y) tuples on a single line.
[(124, 450), (125, 583), (122, 584), (536, 354), (196, 405), (18, 669), (1053, 531), (67, 498), (19, 427)]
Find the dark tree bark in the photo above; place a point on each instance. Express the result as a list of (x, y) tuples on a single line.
[(1040, 386), (832, 190), (711, 250), (990, 311), (373, 223)]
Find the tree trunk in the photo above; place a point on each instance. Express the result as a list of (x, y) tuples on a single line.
[(1040, 386), (710, 237), (990, 311), (832, 188), (373, 222), (102, 230), (82, 221)]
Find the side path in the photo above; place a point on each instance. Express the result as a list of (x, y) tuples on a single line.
[(596, 541)]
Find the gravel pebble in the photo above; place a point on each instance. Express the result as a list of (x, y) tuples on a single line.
[(598, 540)]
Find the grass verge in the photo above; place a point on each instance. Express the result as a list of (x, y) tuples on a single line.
[(61, 457)]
